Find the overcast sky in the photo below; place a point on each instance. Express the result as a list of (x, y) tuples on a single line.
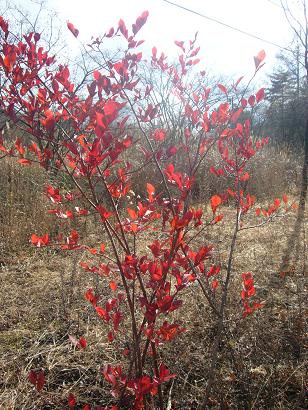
[(222, 49)]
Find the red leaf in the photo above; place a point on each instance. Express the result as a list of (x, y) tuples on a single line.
[(91, 297), (259, 58), (19, 147), (24, 161), (215, 202), (180, 44), (113, 286), (245, 177), (151, 192), (237, 82), (218, 218), (256, 305), (40, 381), (203, 253), (127, 142), (132, 213), (37, 379), (141, 20), (243, 102), (110, 32), (53, 194), (10, 59), (71, 241), (111, 108), (168, 332), (172, 150), (123, 29), (260, 95), (248, 291), (3, 25), (214, 270), (100, 120), (102, 313), (215, 284), (37, 37), (104, 213), (40, 241), (81, 212), (32, 376), (110, 336), (231, 193), (252, 100), (159, 135), (222, 88), (235, 116), (219, 172), (164, 374), (72, 29), (277, 202), (285, 199), (155, 271), (71, 401), (82, 342)]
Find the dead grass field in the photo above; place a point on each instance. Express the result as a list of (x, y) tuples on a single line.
[(263, 358)]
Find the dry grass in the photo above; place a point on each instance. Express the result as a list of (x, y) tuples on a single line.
[(23, 206)]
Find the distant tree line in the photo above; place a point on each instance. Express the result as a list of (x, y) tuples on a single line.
[(283, 117)]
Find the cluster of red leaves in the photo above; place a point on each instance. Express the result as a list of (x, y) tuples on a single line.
[(140, 387), (248, 292), (273, 208)]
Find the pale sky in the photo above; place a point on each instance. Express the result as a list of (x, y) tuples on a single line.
[(222, 49)]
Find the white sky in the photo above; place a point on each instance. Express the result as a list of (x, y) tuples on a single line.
[(222, 49)]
